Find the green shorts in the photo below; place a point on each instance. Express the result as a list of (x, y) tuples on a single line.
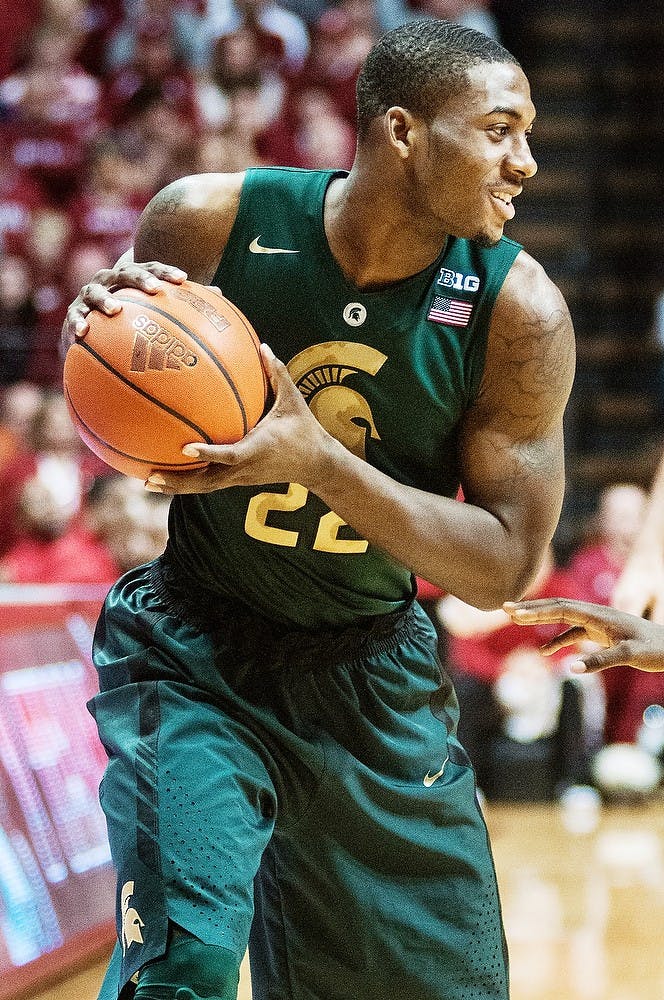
[(304, 795)]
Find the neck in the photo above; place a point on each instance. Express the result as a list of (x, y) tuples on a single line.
[(372, 231)]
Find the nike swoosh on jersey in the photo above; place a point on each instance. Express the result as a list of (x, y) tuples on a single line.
[(429, 779), (255, 247)]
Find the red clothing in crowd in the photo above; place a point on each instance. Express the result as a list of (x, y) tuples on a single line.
[(596, 570), (75, 557)]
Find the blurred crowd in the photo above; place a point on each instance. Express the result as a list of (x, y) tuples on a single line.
[(102, 102)]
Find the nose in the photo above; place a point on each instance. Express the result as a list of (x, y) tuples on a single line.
[(521, 159)]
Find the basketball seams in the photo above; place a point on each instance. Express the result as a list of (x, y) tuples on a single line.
[(141, 392), (150, 463), (146, 413), (251, 334), (201, 343)]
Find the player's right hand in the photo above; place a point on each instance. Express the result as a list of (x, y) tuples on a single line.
[(98, 292)]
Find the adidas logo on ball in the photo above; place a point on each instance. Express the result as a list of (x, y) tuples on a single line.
[(155, 349)]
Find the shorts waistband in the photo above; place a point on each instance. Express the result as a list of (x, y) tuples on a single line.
[(250, 636)]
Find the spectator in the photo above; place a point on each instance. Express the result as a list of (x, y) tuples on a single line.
[(511, 707), (639, 589), (312, 134), (55, 454), (119, 511), (53, 545), (53, 111), (155, 67), (340, 41), (183, 21), (235, 64), (471, 13), (99, 20), (281, 37), (234, 146), (18, 318), (18, 404), (599, 560), (47, 249), (20, 197), (108, 205), (80, 259), (158, 139)]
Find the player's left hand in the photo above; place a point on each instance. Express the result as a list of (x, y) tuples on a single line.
[(287, 445), (629, 641)]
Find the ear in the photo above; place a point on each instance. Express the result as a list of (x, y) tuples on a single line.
[(400, 126)]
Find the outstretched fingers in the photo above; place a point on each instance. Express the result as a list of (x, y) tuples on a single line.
[(568, 638), (619, 655)]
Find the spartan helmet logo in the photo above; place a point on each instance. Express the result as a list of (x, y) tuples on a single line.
[(131, 922), (319, 373), (355, 314)]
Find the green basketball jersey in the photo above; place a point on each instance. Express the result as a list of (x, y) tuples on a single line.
[(389, 373)]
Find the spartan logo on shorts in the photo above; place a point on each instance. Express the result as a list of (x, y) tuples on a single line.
[(155, 349), (320, 372), (131, 922)]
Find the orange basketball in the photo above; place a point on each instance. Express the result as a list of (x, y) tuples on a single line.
[(179, 366)]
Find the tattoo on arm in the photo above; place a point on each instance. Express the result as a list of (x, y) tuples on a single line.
[(537, 378), (158, 227), (520, 407)]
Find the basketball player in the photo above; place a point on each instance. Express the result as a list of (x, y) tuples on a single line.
[(628, 640), (283, 757)]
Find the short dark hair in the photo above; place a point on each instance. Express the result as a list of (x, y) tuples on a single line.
[(419, 65)]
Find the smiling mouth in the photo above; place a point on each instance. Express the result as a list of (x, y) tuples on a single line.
[(503, 202)]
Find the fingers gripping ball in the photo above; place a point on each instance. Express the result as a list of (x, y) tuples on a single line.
[(179, 366)]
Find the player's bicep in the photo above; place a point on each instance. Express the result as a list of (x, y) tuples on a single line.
[(519, 480), (512, 451)]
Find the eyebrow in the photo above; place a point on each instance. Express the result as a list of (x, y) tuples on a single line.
[(504, 110)]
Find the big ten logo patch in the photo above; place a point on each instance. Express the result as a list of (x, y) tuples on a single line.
[(155, 349), (458, 281)]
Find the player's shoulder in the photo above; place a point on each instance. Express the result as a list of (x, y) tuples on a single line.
[(198, 193), (530, 329), (188, 222), (529, 292)]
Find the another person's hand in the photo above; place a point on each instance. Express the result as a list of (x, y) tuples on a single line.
[(98, 292), (629, 641)]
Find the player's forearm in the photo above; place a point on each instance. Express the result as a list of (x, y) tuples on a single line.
[(462, 548)]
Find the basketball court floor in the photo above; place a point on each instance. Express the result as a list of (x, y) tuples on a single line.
[(583, 903)]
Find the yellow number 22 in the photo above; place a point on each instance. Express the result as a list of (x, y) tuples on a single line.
[(327, 536)]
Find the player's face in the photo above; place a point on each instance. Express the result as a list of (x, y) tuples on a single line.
[(476, 154)]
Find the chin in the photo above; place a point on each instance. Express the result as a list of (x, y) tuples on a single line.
[(486, 240)]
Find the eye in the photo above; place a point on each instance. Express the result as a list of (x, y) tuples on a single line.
[(500, 130)]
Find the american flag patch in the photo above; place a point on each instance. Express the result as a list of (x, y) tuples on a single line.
[(450, 312)]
